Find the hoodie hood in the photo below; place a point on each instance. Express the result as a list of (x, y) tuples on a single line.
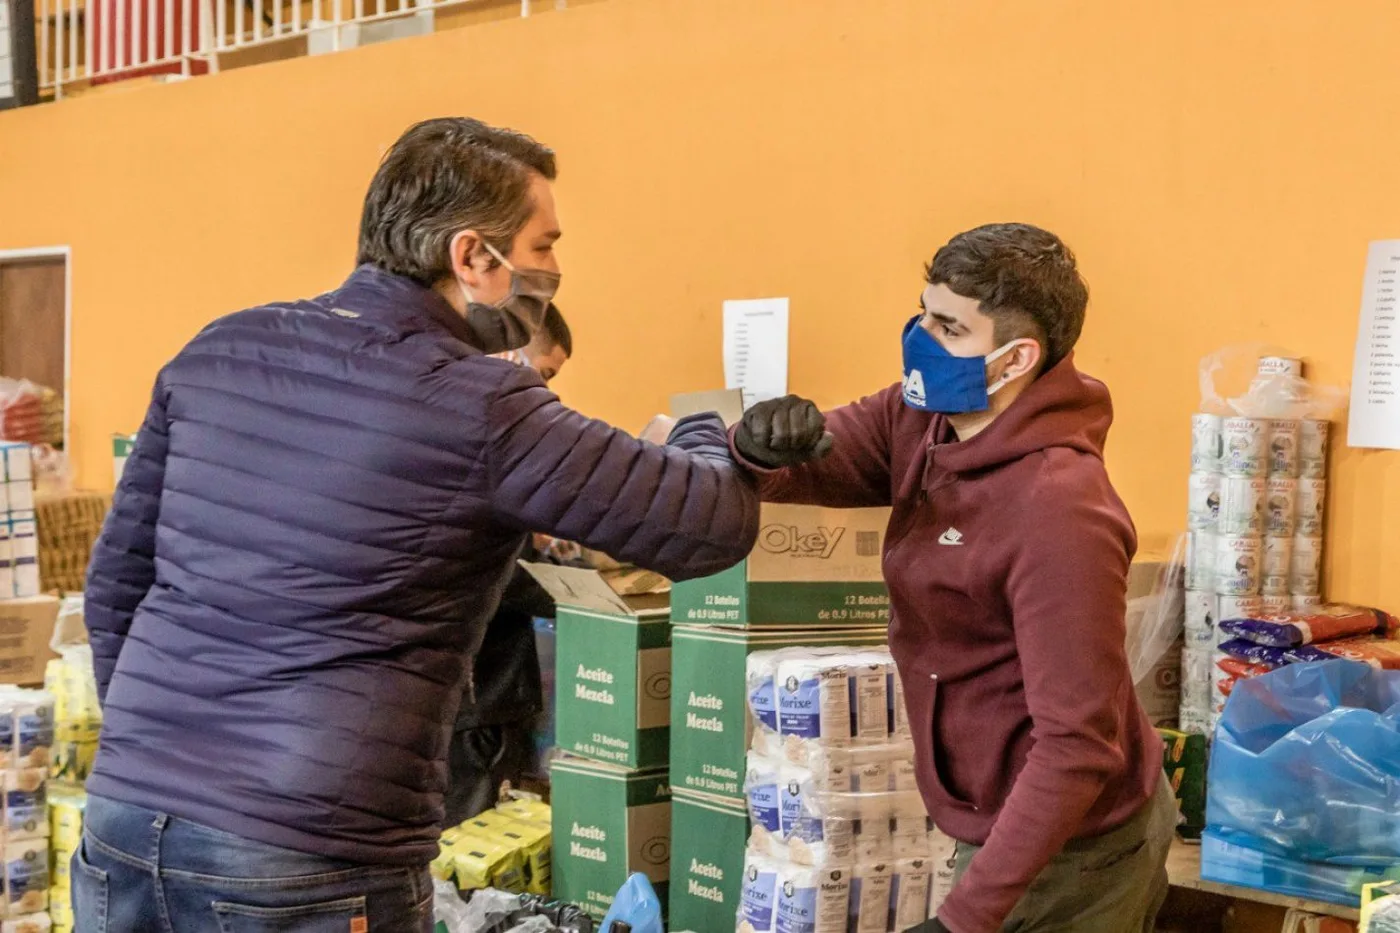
[(1063, 408)]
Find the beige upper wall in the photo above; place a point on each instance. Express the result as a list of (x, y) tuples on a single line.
[(1218, 169)]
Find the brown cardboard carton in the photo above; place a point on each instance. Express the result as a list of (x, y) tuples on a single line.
[(26, 625)]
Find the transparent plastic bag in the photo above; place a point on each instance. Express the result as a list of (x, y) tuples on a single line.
[(53, 474), (1306, 765), (1232, 384), (1154, 622), (485, 911), (449, 910), (22, 415)]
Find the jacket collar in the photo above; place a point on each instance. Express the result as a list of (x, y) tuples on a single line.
[(400, 302)]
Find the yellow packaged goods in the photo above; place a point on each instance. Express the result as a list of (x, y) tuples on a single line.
[(485, 824), (61, 913), (534, 841), (527, 810), (442, 867), (77, 714), (66, 821), (482, 863), (531, 840)]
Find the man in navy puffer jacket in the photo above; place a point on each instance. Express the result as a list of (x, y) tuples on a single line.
[(317, 522)]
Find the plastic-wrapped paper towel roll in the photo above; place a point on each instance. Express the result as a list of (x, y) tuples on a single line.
[(812, 900), (1196, 663), (759, 895)]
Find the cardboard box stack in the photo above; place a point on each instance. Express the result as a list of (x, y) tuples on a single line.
[(610, 790), (68, 526), (26, 736), (813, 581), (19, 542)]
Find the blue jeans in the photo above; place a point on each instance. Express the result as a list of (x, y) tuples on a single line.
[(144, 872)]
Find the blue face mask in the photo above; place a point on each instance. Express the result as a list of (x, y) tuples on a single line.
[(937, 381)]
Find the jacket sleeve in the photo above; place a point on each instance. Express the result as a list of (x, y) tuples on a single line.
[(684, 510), (855, 474), (1067, 592), (122, 568)]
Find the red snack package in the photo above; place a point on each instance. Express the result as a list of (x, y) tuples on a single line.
[(1377, 652), (1289, 630), (1237, 668)]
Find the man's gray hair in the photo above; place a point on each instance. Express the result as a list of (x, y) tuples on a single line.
[(444, 176)]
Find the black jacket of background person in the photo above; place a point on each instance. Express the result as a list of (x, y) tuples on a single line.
[(507, 671)]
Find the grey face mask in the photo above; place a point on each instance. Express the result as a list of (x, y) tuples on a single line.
[(513, 321)]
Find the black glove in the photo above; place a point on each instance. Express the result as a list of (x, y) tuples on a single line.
[(783, 432), (932, 925)]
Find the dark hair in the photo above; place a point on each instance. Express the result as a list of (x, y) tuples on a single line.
[(1024, 278), (442, 177), (556, 330)]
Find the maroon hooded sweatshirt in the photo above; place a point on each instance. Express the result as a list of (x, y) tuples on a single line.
[(1007, 562)]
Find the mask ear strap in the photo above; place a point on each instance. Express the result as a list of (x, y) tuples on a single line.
[(1001, 351), (497, 254), (992, 358)]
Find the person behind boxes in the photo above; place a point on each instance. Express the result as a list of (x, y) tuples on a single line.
[(491, 740), (1007, 561), (317, 520)]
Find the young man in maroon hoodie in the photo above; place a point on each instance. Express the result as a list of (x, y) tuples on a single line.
[(1007, 560)]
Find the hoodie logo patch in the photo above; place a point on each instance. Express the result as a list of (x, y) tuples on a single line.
[(952, 538)]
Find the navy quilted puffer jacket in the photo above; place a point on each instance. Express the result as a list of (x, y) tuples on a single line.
[(315, 526)]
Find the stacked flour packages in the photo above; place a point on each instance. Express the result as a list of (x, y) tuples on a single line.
[(26, 735), (840, 840)]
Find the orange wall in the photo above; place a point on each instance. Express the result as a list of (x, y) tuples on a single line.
[(1219, 169)]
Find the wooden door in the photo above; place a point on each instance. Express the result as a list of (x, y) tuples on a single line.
[(32, 321)]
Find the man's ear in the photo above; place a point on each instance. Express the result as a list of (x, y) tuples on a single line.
[(462, 252), (1024, 358)]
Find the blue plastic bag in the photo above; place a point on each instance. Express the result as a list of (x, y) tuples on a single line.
[(636, 905), (1306, 765)]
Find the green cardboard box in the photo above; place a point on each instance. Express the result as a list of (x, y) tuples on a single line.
[(710, 721), (608, 823), (612, 665), (810, 567), (121, 450), (708, 837), (1184, 760)]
